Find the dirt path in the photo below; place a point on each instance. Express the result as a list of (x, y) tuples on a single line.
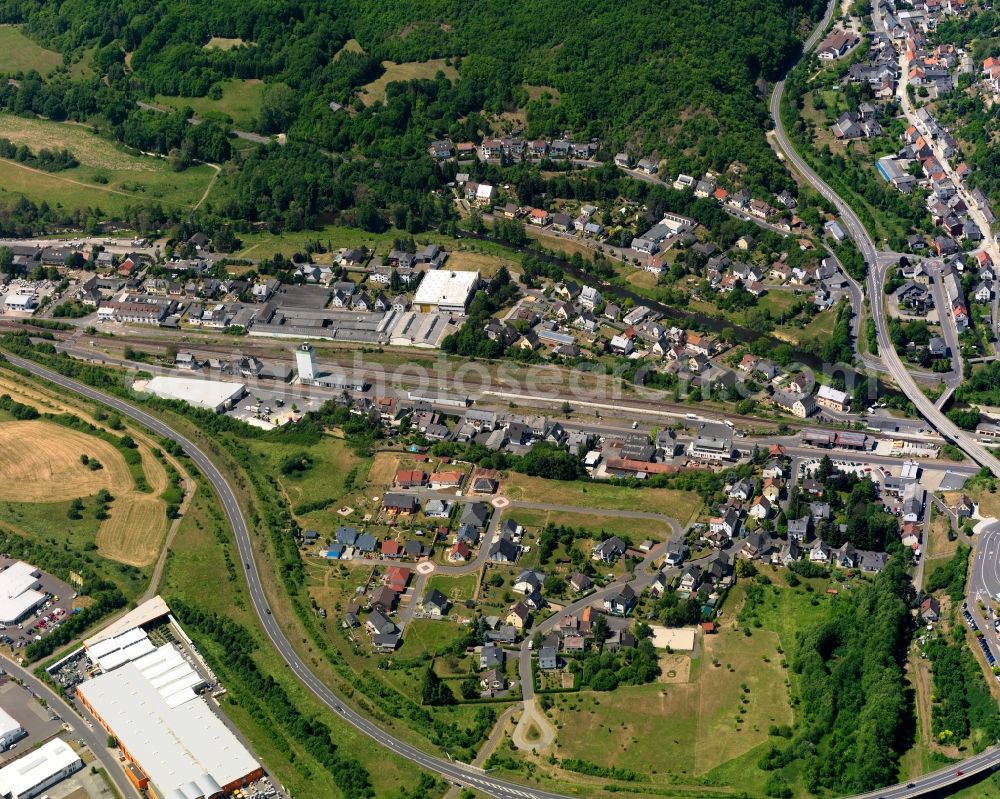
[(190, 487), (499, 730), (54, 176), (215, 174), (533, 717)]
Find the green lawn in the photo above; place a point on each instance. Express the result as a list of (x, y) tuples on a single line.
[(684, 736), (682, 506), (240, 103), (332, 462), (429, 636), (18, 53), (108, 177), (594, 522), (679, 733), (457, 589)]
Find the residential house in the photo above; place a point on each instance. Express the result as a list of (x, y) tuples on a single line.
[(435, 604), (548, 658), (609, 550), (621, 602), (519, 616), (378, 624), (690, 579), (491, 656), (800, 529)]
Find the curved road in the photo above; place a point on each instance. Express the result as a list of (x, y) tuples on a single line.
[(989, 760), (469, 775), (876, 278), (456, 772)]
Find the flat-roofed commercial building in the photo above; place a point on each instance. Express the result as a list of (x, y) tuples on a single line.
[(179, 749), (42, 768), (19, 594), (445, 290), (10, 729), (216, 395)]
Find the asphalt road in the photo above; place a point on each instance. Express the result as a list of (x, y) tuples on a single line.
[(453, 771), (82, 729), (988, 760)]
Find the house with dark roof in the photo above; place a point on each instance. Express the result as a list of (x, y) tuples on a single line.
[(491, 656), (621, 602), (396, 503), (475, 514), (378, 624), (435, 604), (504, 551), (608, 550)]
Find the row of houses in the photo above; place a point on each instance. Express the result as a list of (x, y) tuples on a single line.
[(515, 148)]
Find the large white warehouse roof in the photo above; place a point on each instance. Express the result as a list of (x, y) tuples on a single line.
[(446, 288), (211, 394), (42, 767), (172, 734)]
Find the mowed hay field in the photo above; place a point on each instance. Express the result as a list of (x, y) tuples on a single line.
[(681, 506), (18, 53), (411, 70), (40, 462), (134, 532), (107, 177)]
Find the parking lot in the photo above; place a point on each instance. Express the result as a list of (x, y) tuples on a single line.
[(266, 407), (49, 617), (39, 722)]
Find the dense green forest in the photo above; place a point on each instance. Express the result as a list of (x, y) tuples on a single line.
[(675, 77), (856, 713)]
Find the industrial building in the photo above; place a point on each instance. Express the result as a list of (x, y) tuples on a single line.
[(280, 320), (427, 330), (178, 748), (215, 395), (445, 290), (10, 729), (19, 594), (38, 770)]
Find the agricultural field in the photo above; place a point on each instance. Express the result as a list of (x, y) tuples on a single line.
[(107, 177), (18, 53), (240, 102), (50, 468), (415, 70), (40, 482)]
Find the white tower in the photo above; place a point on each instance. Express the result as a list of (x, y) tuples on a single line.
[(305, 361)]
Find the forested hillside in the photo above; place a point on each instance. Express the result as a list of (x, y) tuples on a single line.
[(665, 75)]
